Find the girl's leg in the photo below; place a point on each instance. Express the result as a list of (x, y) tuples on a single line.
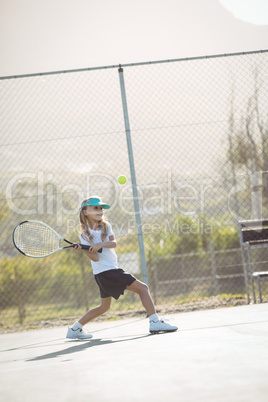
[(156, 325), (144, 293), (95, 312)]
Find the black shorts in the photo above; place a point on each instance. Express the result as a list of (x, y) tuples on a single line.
[(113, 283)]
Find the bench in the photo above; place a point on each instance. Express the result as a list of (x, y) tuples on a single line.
[(253, 233)]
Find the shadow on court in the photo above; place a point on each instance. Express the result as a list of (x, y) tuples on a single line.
[(82, 345)]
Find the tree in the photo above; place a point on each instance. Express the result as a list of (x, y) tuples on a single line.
[(248, 138)]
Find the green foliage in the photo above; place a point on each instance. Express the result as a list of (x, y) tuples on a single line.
[(225, 237), (182, 235), (58, 278)]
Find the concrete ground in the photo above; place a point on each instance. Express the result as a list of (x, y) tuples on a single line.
[(216, 355)]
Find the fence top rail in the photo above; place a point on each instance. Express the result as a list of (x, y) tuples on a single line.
[(255, 245), (214, 56)]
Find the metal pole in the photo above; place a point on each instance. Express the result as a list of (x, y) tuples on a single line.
[(231, 121), (133, 178), (251, 272)]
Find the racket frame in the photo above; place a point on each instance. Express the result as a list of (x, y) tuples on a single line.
[(60, 238)]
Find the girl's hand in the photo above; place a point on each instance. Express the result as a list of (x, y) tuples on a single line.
[(77, 246), (95, 248)]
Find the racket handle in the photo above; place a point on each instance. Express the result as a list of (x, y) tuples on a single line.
[(84, 247)]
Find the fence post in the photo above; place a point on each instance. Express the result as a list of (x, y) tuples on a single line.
[(84, 284), (243, 262), (21, 308), (213, 266), (250, 270), (133, 178), (152, 276)]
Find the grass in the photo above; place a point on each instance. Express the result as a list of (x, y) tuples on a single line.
[(36, 315), (224, 296), (228, 296)]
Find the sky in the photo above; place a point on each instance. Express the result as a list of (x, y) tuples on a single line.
[(52, 35)]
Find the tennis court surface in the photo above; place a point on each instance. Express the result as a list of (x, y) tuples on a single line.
[(217, 355)]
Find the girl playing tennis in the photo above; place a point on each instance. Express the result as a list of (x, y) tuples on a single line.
[(111, 280)]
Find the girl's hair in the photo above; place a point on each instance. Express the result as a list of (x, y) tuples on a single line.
[(85, 225)]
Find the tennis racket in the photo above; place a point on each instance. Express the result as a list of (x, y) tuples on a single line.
[(37, 239)]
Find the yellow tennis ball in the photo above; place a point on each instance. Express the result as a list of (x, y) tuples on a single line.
[(122, 179)]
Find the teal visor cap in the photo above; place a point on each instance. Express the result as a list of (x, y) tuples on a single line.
[(96, 202)]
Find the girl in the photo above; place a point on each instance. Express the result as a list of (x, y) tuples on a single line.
[(111, 280)]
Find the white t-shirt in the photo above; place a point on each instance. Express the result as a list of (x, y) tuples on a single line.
[(108, 257)]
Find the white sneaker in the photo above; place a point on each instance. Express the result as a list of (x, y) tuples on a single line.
[(161, 326), (80, 333)]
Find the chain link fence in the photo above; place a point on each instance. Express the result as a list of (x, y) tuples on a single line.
[(199, 131)]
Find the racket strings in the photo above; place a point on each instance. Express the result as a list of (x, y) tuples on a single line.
[(35, 239)]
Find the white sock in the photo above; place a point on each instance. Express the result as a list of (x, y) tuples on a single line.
[(154, 317), (77, 325)]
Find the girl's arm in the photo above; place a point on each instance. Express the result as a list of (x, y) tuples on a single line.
[(92, 255), (107, 244)]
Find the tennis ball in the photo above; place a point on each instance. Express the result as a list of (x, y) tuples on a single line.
[(122, 179)]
